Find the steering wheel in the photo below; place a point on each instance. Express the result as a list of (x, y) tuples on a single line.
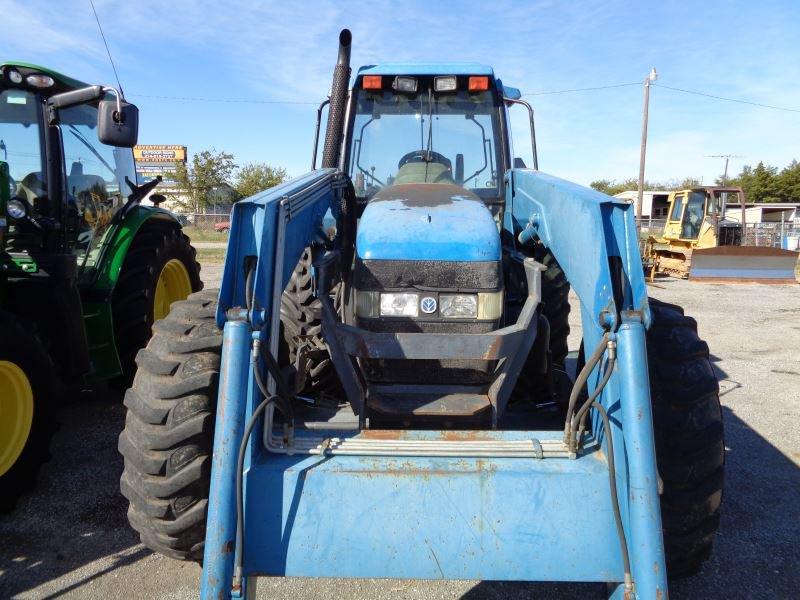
[(421, 156)]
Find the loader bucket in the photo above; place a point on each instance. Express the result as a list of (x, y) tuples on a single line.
[(743, 264)]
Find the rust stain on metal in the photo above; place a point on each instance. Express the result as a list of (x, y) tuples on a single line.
[(227, 547), (492, 350), (381, 434), (465, 436), (424, 195)]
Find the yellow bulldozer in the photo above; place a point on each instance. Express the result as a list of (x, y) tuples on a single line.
[(700, 241)]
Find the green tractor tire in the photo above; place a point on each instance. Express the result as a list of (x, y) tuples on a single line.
[(159, 269), (27, 408)]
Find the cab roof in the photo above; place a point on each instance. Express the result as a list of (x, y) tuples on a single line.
[(63, 83), (410, 68)]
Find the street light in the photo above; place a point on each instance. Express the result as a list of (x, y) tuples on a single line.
[(640, 191)]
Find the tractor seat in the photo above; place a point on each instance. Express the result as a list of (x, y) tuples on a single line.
[(78, 182), (415, 172), (31, 187)]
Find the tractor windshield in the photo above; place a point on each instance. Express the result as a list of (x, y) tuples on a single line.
[(21, 143), (425, 137)]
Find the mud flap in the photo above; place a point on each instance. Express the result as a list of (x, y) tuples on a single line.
[(745, 264)]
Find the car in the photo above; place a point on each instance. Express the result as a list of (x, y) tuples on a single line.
[(222, 226)]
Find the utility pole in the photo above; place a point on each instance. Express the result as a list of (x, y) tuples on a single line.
[(643, 149)]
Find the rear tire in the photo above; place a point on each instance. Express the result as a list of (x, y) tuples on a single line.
[(690, 451), (133, 303), (21, 348), (169, 429), (555, 303), (301, 325)]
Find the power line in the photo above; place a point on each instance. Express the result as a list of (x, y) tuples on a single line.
[(540, 93), (795, 110), (103, 35), (225, 100), (586, 89)]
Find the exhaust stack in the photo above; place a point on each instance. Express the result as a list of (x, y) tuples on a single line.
[(336, 111)]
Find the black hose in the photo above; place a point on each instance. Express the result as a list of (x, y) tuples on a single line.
[(248, 288), (580, 416), (580, 381), (612, 479), (283, 391), (239, 555)]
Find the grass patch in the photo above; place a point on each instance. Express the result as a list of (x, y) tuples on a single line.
[(205, 235), (210, 255)]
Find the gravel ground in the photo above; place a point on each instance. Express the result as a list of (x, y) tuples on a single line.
[(70, 537)]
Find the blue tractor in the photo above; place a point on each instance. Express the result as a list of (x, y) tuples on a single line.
[(381, 387)]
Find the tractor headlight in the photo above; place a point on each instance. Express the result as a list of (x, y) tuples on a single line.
[(458, 306), (399, 305), (490, 305), (16, 210), (40, 80), (15, 76), (368, 304)]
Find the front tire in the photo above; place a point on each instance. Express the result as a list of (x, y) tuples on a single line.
[(159, 269), (169, 429), (690, 451), (27, 408)]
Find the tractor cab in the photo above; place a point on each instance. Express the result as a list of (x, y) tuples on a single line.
[(67, 157), (413, 127)]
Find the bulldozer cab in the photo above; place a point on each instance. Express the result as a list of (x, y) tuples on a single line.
[(64, 185), (695, 215)]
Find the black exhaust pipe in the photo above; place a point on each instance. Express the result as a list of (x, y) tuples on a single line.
[(336, 110)]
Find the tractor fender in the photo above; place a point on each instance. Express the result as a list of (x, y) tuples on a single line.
[(117, 247), (97, 296)]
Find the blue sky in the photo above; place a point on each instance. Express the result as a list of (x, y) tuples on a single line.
[(285, 51)]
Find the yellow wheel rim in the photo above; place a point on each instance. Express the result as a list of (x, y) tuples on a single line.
[(173, 284), (16, 413)]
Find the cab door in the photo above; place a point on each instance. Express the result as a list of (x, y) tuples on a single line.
[(672, 230), (94, 177)]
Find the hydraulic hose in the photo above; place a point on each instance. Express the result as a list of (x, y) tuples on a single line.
[(239, 554), (579, 420), (612, 481), (580, 381), (281, 402)]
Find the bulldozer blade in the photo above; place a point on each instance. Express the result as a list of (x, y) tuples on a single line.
[(743, 264)]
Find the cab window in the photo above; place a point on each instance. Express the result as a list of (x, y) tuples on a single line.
[(94, 179), (677, 208), (21, 144)]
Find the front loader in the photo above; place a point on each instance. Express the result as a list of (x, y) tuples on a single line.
[(85, 269), (701, 243), (392, 396)]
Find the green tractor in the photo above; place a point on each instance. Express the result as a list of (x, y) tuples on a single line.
[(85, 269)]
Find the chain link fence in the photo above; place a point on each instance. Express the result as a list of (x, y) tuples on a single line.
[(776, 235), (205, 221), (654, 227)]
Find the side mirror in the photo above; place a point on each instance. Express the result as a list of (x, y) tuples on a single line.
[(118, 123), (460, 169), (519, 163)]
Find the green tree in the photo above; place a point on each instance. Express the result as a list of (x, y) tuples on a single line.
[(207, 171), (613, 187), (602, 185), (760, 184), (253, 178), (789, 183)]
